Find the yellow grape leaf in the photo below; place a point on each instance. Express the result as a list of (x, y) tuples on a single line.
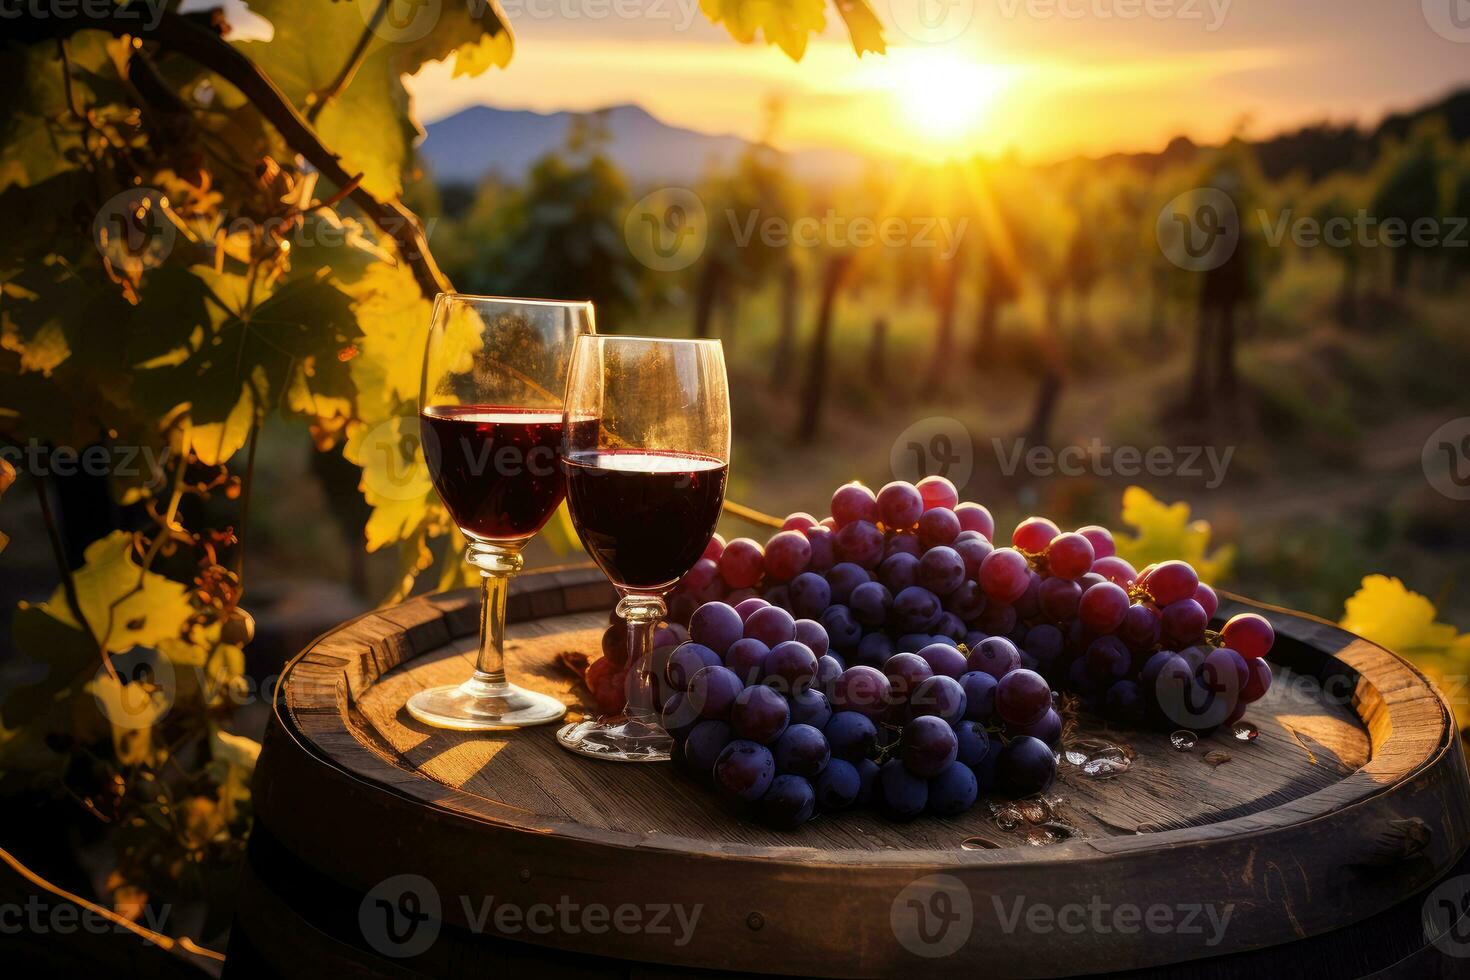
[(395, 479), (863, 26), (1165, 532), (394, 318), (1384, 611), (43, 352), (124, 605), (233, 760), (216, 442), (138, 707), (785, 23), (7, 476)]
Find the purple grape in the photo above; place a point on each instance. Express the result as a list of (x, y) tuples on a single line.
[(873, 650), (927, 745), (1184, 622), (1258, 683), (997, 618), (851, 735), (771, 626), (902, 794), (843, 578), (973, 638), (1059, 598), (972, 551), (744, 770), (712, 691), (898, 571), (823, 554), (747, 658), (1108, 660), (938, 526), (916, 609), (1170, 581), (1026, 765), (687, 660), (944, 660), (1029, 605), (802, 751), (1155, 665), (995, 655), (899, 505), (790, 668), (953, 791), (854, 502), (948, 627), (973, 740), (810, 594), (861, 689), (1045, 643), (979, 695), (942, 697), (905, 671), (1022, 697), (749, 607), (843, 632), (759, 714), (912, 642), (1124, 702), (679, 716), (787, 554), (706, 741), (870, 603), (789, 803), (779, 596), (1225, 671), (860, 543), (829, 668), (943, 638), (1005, 575), (1103, 607), (1141, 627), (837, 787), (941, 570), (810, 707), (902, 543), (1048, 728), (976, 518), (967, 602), (716, 625), (810, 632)]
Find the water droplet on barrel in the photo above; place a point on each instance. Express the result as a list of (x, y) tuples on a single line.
[(1182, 740), (1107, 762), (1244, 731), (1074, 757)]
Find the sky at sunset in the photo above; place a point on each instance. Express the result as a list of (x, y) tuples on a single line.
[(1047, 78)]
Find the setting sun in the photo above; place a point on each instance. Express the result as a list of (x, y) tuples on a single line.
[(944, 100)]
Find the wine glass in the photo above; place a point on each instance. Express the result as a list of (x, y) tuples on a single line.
[(647, 454), (490, 414)]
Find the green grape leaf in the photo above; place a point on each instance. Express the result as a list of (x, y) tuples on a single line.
[(124, 605), (370, 123), (1165, 532), (863, 26), (785, 23)]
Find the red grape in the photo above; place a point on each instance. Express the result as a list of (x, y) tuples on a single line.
[(1171, 581), (1005, 575), (903, 543), (715, 548), (798, 521), (941, 570), (1184, 622), (741, 563), (859, 542), (1101, 539), (1115, 570), (1033, 535), (973, 551), (1141, 627), (1022, 697), (1206, 597), (787, 554), (1259, 682), (770, 625), (995, 655), (899, 505), (1249, 634), (1103, 607), (760, 714), (854, 502), (824, 556), (861, 689), (1059, 598), (1069, 555), (1225, 672), (975, 517), (938, 492), (938, 526)]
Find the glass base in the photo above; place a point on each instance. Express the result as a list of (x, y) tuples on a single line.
[(481, 704), (621, 740)]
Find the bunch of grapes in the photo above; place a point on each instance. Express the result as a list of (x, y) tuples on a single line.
[(767, 714), (909, 567)]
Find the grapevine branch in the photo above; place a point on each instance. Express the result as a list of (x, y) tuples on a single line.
[(182, 35)]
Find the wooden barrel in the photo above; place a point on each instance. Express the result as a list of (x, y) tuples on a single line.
[(387, 848)]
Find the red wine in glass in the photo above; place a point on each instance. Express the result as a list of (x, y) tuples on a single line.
[(496, 467), (645, 516)]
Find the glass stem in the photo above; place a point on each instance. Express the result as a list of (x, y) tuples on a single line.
[(643, 613), (497, 565)]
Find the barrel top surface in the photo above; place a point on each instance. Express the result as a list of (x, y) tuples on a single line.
[(1355, 789), (1315, 750)]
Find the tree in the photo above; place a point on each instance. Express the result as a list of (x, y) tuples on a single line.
[(1408, 192)]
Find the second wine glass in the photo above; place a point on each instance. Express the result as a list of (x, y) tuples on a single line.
[(647, 456)]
